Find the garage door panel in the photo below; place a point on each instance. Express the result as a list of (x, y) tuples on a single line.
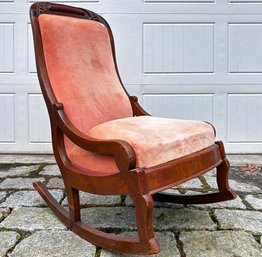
[(7, 41), (150, 51), (13, 49), (178, 48), (128, 31), (7, 5), (245, 48), (146, 6), (180, 106), (161, 6), (7, 118), (190, 59), (39, 126), (31, 52), (244, 118), (244, 1), (179, 1), (69, 1)]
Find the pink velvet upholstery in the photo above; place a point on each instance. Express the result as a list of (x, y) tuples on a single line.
[(155, 141), (81, 70)]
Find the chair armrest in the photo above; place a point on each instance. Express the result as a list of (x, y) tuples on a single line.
[(136, 107), (122, 150)]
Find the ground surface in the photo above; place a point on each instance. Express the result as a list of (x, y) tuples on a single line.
[(28, 227)]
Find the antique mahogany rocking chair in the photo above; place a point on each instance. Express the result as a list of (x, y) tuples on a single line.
[(103, 141)]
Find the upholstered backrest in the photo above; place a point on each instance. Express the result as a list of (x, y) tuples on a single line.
[(81, 70)]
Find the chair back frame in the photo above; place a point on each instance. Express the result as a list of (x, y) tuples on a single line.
[(63, 10), (58, 118)]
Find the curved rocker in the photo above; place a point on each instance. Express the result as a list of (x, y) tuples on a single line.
[(92, 145), (107, 241)]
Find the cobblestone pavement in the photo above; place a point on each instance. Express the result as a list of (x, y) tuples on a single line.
[(28, 227)]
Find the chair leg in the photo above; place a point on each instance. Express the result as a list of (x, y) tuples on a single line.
[(144, 204), (116, 243), (222, 176), (225, 192), (73, 203), (144, 209)]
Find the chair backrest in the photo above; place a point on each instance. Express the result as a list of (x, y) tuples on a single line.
[(76, 64)]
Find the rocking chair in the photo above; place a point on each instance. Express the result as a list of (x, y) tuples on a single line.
[(103, 140)]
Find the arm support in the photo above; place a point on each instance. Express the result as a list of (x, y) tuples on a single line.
[(122, 150), (136, 107)]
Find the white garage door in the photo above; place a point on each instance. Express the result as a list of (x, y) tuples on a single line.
[(195, 59)]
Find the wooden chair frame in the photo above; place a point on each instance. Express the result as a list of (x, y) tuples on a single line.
[(143, 185)]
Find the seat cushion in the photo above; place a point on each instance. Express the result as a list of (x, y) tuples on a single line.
[(155, 141)]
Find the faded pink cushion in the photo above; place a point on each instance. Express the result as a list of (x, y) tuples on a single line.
[(155, 141), (82, 72)]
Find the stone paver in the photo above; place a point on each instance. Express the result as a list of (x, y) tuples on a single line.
[(50, 170), (238, 219), (106, 217), (244, 159), (163, 218), (180, 219), (255, 201), (54, 244), (22, 158), (220, 243), (90, 199), (31, 219), (172, 190), (8, 240), (19, 183), (193, 183), (29, 198), (18, 171), (236, 203), (56, 183), (167, 243), (2, 195), (4, 212), (129, 202), (237, 186), (23, 210)]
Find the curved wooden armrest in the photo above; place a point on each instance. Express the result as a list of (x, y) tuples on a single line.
[(122, 150), (136, 107)]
